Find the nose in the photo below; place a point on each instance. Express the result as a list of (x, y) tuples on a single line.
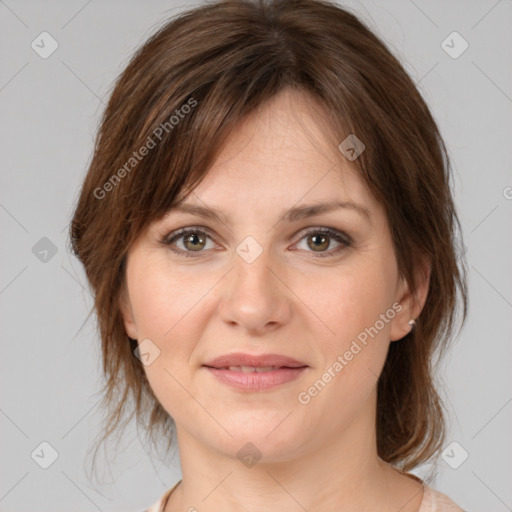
[(255, 296)]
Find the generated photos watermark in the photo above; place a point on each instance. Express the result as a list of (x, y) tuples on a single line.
[(137, 156), (304, 397)]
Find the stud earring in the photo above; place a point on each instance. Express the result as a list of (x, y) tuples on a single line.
[(412, 323)]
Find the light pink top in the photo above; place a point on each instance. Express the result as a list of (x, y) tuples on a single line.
[(433, 501)]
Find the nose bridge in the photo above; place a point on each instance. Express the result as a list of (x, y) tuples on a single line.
[(253, 275), (255, 298)]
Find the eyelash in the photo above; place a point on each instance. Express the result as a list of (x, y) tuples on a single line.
[(340, 237)]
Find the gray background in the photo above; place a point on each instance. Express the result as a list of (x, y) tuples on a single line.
[(49, 367)]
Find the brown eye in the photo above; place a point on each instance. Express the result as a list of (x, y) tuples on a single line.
[(194, 242), (318, 242), (189, 242)]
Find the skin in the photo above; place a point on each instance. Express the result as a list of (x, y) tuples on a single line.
[(317, 456)]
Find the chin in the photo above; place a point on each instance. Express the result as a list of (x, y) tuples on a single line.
[(266, 441)]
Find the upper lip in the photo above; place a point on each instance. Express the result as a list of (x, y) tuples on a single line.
[(240, 359)]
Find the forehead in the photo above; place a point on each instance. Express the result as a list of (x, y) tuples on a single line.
[(283, 153)]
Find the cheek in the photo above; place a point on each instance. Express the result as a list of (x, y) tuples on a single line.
[(165, 305), (163, 297), (351, 297), (356, 309), (172, 309)]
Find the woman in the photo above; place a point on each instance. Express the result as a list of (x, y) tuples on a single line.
[(268, 228)]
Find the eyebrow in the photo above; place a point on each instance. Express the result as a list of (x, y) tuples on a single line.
[(294, 214)]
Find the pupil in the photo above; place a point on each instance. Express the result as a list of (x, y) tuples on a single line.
[(194, 239), (320, 241)]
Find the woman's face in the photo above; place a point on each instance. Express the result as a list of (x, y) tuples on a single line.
[(260, 282)]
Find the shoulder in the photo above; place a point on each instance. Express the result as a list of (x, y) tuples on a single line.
[(160, 504), (435, 501)]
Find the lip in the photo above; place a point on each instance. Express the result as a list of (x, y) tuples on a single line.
[(241, 359), (287, 369), (256, 381)]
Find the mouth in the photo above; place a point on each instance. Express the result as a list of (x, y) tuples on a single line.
[(255, 373), (255, 378), (253, 369), (244, 362)]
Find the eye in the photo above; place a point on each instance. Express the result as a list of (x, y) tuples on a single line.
[(319, 240), (194, 241)]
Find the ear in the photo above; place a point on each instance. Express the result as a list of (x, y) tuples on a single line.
[(412, 303), (127, 314)]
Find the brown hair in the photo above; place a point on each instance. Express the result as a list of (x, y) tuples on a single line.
[(222, 60)]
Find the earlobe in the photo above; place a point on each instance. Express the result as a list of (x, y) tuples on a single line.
[(412, 304), (401, 327), (127, 314)]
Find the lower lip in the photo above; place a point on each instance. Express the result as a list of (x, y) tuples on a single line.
[(256, 381)]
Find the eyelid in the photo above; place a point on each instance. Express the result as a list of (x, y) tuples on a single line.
[(179, 233), (339, 236), (185, 230), (326, 230)]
